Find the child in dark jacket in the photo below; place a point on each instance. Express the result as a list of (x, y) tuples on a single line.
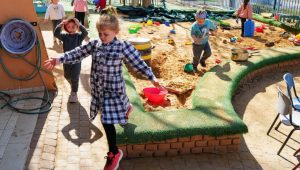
[(75, 34)]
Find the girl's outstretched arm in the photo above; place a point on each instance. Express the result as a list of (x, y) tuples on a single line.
[(79, 53)]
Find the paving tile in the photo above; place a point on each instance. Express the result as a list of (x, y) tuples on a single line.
[(15, 156), (2, 150), (6, 136)]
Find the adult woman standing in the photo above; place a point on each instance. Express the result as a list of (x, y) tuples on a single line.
[(244, 12)]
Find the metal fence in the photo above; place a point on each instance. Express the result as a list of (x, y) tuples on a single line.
[(287, 7)]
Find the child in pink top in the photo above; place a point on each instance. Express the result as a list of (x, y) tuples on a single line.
[(80, 8), (244, 12)]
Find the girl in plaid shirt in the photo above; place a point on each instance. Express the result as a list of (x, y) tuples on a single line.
[(107, 83)]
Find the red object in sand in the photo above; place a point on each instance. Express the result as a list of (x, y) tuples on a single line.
[(263, 26), (218, 61), (156, 23), (259, 29), (155, 95)]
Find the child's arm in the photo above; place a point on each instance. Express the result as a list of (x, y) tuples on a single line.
[(47, 15), (133, 58), (72, 57), (82, 29), (57, 31)]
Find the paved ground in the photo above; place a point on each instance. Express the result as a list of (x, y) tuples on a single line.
[(65, 139)]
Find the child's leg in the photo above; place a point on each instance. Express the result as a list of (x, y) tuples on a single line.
[(206, 54), (243, 20), (197, 50), (67, 72), (75, 73), (80, 16), (110, 131)]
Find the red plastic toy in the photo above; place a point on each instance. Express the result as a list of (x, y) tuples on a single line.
[(155, 95), (259, 29)]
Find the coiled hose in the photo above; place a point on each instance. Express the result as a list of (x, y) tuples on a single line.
[(18, 38)]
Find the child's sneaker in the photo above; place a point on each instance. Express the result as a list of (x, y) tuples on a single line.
[(73, 97), (203, 63), (112, 162)]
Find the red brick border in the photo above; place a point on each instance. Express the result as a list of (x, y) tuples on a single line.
[(183, 146)]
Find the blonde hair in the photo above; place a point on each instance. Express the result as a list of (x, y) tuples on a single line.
[(108, 19)]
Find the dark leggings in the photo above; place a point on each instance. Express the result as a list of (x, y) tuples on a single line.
[(110, 131), (243, 20), (80, 16)]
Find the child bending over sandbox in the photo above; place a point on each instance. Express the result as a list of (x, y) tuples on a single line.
[(107, 82)]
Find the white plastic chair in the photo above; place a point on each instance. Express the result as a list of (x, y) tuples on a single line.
[(288, 116)]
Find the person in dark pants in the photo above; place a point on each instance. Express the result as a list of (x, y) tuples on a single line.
[(72, 39), (80, 9), (200, 34), (244, 13)]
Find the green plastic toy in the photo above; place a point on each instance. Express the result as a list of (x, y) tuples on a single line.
[(188, 68)]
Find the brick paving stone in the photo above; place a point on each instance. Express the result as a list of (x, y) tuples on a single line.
[(235, 164), (51, 142), (33, 166), (46, 164), (73, 167), (49, 149), (48, 156)]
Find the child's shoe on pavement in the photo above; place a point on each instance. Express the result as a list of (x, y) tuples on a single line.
[(112, 162), (73, 97)]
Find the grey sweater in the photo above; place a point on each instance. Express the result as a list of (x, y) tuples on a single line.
[(70, 41)]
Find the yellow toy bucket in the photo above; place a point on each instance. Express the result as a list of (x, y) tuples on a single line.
[(144, 46)]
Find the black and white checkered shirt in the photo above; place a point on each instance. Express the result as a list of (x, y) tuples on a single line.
[(107, 83)]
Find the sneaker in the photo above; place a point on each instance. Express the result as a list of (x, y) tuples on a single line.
[(203, 63), (73, 98), (112, 162)]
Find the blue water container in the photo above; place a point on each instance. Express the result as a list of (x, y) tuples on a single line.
[(249, 28), (40, 7)]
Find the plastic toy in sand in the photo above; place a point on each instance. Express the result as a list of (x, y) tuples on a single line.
[(296, 42), (149, 22), (259, 29), (167, 23), (173, 31), (188, 67), (218, 61), (156, 23), (155, 95)]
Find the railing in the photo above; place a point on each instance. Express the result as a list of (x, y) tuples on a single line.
[(287, 7)]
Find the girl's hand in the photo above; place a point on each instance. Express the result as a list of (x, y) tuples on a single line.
[(158, 85), (51, 63)]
